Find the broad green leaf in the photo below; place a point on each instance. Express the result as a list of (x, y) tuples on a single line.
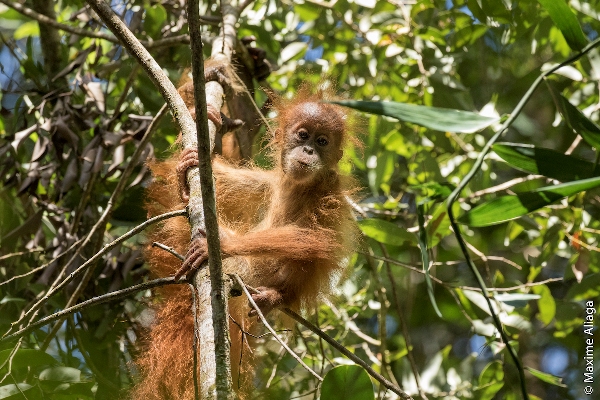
[(154, 20), (581, 124), (546, 304), (479, 300), (505, 208), (307, 11), (26, 358), (441, 119), (548, 378), (540, 161), (22, 391), (61, 374), (491, 381), (425, 257), (385, 232), (566, 21), (8, 299), (516, 299), (347, 382), (27, 30), (292, 50), (438, 227), (588, 288), (469, 34), (484, 329)]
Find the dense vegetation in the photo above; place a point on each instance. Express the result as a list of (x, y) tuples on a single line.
[(75, 106)]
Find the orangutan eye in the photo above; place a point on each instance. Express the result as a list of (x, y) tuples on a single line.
[(322, 141), (303, 134)]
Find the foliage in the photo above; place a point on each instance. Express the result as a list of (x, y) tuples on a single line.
[(447, 74)]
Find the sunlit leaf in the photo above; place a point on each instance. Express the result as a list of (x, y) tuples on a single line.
[(347, 382), (491, 380), (565, 20), (292, 50), (546, 304), (441, 119), (516, 299), (26, 358), (505, 208), (541, 161), (589, 131), (27, 30), (61, 374), (425, 258), (385, 232), (589, 288), (22, 391), (545, 377)]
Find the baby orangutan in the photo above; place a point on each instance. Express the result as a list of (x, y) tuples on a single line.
[(286, 231)]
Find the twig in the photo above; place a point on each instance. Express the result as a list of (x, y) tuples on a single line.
[(101, 223), (266, 324), (476, 166), (168, 250), (97, 256), (383, 301), (41, 267), (150, 44), (119, 294), (403, 323), (196, 341), (403, 395), (437, 280), (143, 57), (20, 253), (502, 186)]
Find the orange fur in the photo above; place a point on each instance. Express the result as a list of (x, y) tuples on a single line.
[(290, 237)]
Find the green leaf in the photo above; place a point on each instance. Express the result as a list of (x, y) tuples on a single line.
[(22, 391), (292, 50), (425, 257), (26, 358), (61, 374), (540, 161), (26, 30), (438, 227), (307, 11), (385, 232), (441, 119), (546, 304), (566, 21), (347, 382), (506, 208), (516, 299), (548, 378), (589, 131), (154, 19), (588, 288), (491, 380)]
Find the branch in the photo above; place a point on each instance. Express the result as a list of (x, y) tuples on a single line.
[(266, 324), (168, 250), (389, 385), (105, 298), (143, 57), (97, 256), (150, 44), (101, 223)]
